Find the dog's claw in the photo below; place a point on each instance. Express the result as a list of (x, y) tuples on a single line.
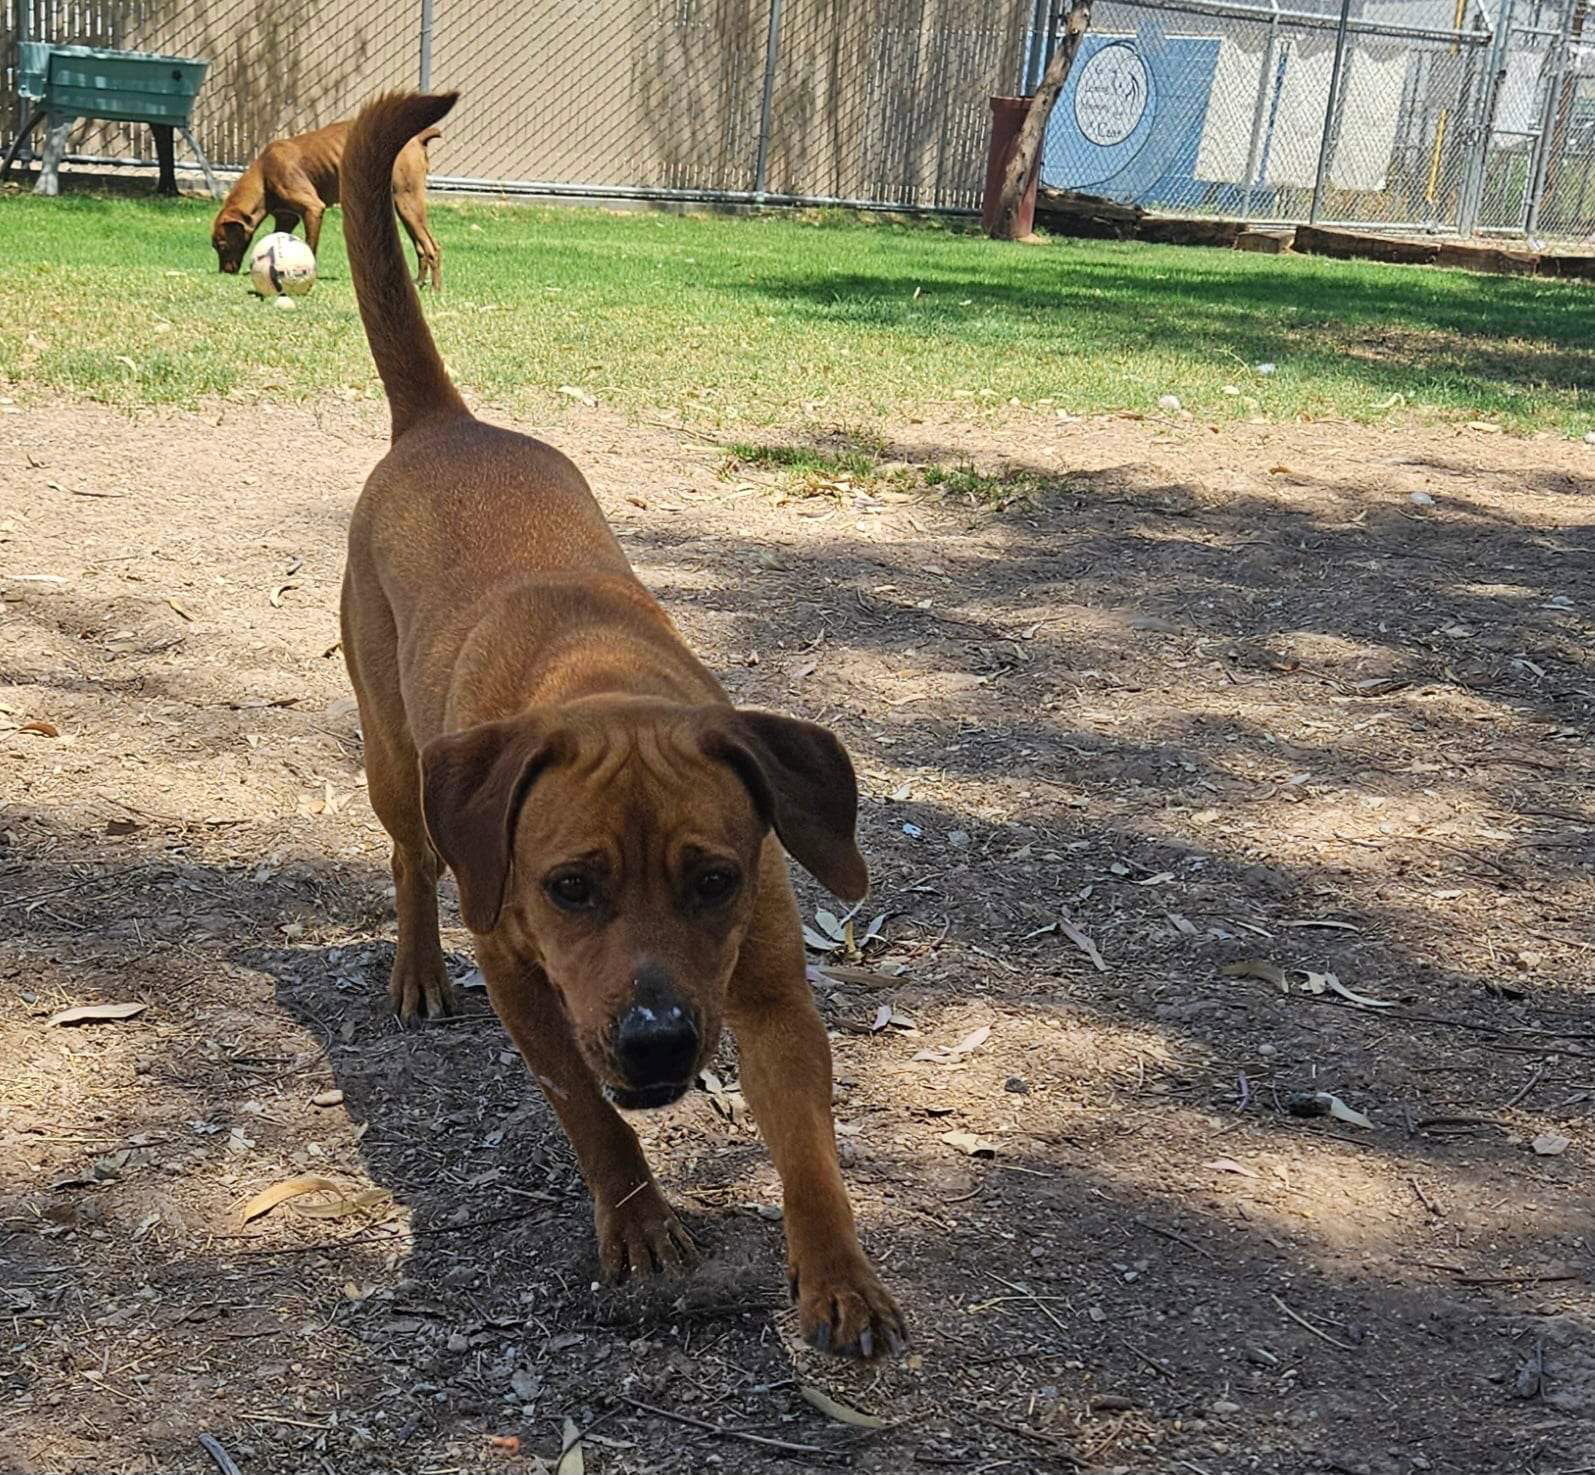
[(421, 992), (845, 1310), (643, 1237)]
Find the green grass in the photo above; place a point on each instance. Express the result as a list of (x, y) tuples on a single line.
[(803, 462), (747, 321)]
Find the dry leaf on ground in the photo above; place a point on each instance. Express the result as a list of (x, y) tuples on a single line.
[(968, 1142), (95, 1013), (1229, 1165), (571, 1459), (1084, 943), (834, 1409), (268, 1198)]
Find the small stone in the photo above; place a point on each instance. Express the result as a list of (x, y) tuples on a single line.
[(1224, 1406), (458, 1342), (1421, 499), (958, 839), (287, 304), (1169, 402), (1017, 1086)]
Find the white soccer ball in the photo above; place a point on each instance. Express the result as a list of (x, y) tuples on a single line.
[(282, 264)]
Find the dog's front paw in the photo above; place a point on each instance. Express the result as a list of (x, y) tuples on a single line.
[(423, 989), (843, 1308), (640, 1235)]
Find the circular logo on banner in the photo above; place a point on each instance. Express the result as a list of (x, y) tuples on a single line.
[(1112, 95)]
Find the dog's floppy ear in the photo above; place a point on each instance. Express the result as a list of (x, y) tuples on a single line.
[(472, 786), (802, 783)]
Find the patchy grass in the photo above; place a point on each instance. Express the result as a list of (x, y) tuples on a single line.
[(741, 321), (800, 461)]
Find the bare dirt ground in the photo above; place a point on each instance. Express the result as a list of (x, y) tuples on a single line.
[(1165, 700)]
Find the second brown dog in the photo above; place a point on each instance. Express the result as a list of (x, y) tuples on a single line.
[(297, 178)]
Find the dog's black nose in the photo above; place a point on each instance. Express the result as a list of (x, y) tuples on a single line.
[(656, 1044)]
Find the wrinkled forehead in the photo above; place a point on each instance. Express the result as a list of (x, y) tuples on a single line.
[(646, 791)]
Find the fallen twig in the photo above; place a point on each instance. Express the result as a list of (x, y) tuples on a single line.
[(1306, 1325), (224, 1461), (1178, 1239), (1145, 1357), (1428, 1123), (1033, 1298), (383, 1234), (1046, 1441), (691, 1423), (1527, 1278), (1522, 1093), (1425, 1200)]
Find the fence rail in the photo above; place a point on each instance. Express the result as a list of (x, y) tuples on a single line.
[(1435, 115)]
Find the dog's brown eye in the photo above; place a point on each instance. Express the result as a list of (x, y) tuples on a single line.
[(573, 891), (715, 885)]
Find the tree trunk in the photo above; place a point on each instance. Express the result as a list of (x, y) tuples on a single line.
[(1026, 156)]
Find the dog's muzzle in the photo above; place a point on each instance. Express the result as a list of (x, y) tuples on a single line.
[(656, 1054), (646, 1098)]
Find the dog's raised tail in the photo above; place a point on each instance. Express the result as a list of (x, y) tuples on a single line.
[(412, 370)]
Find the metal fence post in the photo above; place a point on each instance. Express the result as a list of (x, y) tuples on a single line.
[(22, 9), (1035, 63), (424, 71), (1495, 73), (1554, 101), (1266, 80), (1327, 143), (772, 55)]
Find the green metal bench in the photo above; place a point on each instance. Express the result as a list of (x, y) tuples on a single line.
[(62, 83)]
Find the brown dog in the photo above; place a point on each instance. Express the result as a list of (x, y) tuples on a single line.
[(615, 826), (296, 179)]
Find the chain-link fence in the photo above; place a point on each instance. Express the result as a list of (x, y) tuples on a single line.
[(1413, 114), (1458, 115), (876, 102)]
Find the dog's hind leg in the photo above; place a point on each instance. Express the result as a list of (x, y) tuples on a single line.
[(420, 982), (411, 205)]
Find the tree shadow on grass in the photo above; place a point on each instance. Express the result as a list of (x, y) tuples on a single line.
[(1406, 330)]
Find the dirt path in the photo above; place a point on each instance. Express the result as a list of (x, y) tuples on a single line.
[(1166, 698)]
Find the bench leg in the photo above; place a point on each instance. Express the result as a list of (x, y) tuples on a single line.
[(204, 163), (165, 156), (18, 141), (56, 129)]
